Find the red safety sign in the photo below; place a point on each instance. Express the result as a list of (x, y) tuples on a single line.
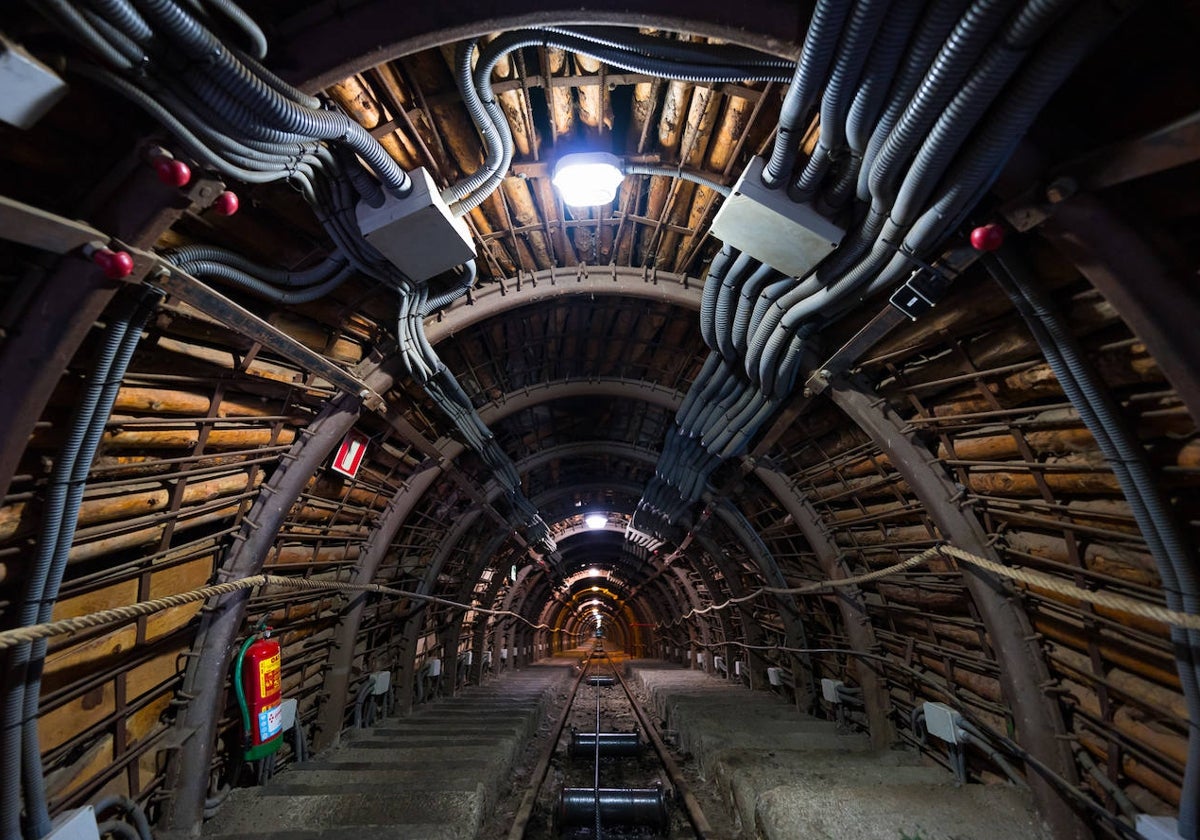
[(350, 454)]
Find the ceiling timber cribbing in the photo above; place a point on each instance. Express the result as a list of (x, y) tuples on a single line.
[(576, 347)]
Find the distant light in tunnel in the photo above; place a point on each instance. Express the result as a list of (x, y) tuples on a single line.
[(596, 520)]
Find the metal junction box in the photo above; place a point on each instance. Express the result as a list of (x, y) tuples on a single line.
[(770, 227), (941, 721), (28, 88), (418, 234)]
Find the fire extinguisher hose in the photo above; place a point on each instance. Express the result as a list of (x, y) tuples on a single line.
[(237, 682)]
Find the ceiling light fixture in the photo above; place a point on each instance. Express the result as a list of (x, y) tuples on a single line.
[(587, 179), (596, 520)]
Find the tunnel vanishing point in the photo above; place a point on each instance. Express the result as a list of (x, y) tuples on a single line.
[(836, 362)]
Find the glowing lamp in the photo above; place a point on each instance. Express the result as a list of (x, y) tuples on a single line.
[(595, 520), (588, 178)]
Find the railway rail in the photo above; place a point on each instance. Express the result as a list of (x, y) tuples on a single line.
[(617, 777)]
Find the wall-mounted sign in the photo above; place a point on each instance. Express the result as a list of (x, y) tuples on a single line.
[(350, 454)]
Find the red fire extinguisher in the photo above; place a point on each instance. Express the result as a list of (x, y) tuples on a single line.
[(257, 684)]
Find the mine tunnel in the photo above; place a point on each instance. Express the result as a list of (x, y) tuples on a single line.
[(599, 419)]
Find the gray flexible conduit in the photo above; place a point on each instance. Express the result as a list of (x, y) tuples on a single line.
[(1102, 417)]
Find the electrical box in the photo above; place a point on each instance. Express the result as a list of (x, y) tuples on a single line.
[(1157, 828), (718, 663), (829, 689), (435, 667), (769, 226), (920, 293), (418, 233), (28, 88), (469, 657), (737, 667), (941, 721), (287, 714), (381, 681), (79, 824), (775, 676)]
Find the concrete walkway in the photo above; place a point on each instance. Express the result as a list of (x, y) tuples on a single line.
[(431, 776), (784, 775)]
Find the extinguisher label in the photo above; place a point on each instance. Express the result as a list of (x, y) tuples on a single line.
[(270, 721), (268, 676)]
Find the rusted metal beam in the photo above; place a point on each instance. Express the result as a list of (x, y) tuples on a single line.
[(71, 299), (1160, 303), (855, 619), (195, 731), (324, 44), (1023, 671), (495, 299)]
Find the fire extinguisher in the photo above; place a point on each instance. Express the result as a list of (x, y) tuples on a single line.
[(257, 684)]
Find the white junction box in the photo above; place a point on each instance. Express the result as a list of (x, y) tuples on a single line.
[(287, 714), (79, 824), (28, 88), (770, 227), (941, 721), (775, 676), (1157, 828), (418, 234), (381, 681), (829, 689)]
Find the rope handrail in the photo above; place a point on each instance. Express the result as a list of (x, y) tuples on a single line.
[(131, 612), (1029, 577)]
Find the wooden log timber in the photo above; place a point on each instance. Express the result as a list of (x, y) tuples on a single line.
[(1124, 365), (1117, 561), (295, 554), (134, 399), (387, 81), (92, 549), (553, 217), (1132, 768), (359, 102), (1152, 665), (1155, 701), (525, 214), (595, 104), (128, 501), (187, 438), (561, 101), (1023, 483), (697, 133), (1005, 345), (1171, 745), (867, 487)]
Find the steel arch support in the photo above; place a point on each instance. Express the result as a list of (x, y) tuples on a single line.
[(204, 679), (1023, 670), (854, 614), (327, 42), (555, 283)]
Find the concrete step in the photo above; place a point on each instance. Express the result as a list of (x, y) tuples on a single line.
[(434, 775), (785, 775)]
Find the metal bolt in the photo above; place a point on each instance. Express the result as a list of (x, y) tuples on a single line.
[(1062, 188)]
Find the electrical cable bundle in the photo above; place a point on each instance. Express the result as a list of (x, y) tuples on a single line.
[(920, 106), (236, 117)]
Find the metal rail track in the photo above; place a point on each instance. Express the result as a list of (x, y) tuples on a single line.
[(584, 799)]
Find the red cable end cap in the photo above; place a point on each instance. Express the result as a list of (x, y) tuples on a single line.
[(172, 171), (987, 237), (116, 265), (226, 204)]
